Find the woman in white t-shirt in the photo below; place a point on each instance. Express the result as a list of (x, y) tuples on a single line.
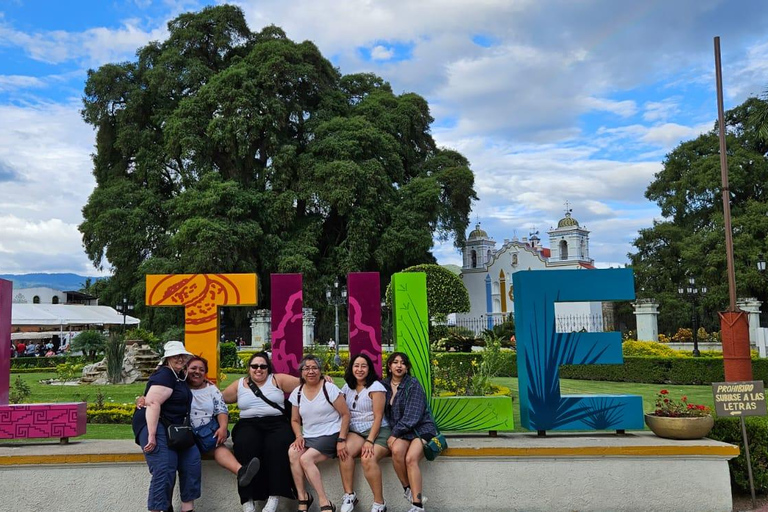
[(320, 420), (368, 431)]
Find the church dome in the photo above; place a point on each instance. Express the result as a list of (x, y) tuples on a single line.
[(568, 222), (477, 233)]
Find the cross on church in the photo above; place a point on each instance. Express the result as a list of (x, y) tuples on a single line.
[(567, 207)]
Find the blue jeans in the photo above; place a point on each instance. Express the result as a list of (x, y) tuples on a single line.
[(163, 464)]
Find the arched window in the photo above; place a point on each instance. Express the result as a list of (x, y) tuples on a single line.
[(55, 299), (563, 250), (474, 259), (36, 299)]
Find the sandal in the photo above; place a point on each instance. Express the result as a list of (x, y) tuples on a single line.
[(308, 502), (330, 507)]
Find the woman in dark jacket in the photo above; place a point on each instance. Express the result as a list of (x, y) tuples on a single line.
[(412, 426), (168, 397)]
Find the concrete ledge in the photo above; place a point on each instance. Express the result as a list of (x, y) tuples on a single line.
[(595, 472)]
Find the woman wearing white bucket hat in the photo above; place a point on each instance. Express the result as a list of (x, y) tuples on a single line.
[(169, 397)]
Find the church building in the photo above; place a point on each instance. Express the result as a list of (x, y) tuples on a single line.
[(487, 273)]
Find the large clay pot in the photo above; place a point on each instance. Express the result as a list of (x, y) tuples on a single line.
[(680, 428)]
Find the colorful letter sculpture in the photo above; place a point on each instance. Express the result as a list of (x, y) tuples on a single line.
[(6, 292), (365, 316), (287, 322), (472, 413), (201, 295), (27, 421), (541, 351)]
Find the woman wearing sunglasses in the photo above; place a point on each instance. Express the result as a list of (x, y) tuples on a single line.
[(368, 431), (263, 432), (320, 421)]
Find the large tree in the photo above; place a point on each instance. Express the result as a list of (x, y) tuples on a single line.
[(690, 240), (224, 150)]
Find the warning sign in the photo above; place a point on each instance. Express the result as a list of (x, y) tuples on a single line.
[(739, 398)]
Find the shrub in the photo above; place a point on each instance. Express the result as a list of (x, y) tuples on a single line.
[(728, 430), (115, 354), (683, 335), (90, 343), (20, 391), (42, 362), (69, 371), (228, 355), (446, 292), (632, 348)]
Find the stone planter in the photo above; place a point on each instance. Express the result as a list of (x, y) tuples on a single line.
[(680, 428)]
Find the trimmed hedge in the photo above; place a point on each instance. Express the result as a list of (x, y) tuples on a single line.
[(728, 430), (43, 362), (661, 370), (118, 413)]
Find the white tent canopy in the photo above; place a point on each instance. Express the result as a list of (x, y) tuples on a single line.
[(66, 315)]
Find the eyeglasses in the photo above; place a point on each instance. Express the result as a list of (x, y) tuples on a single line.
[(308, 369), (259, 366)]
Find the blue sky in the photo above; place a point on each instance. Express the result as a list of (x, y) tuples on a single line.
[(551, 100)]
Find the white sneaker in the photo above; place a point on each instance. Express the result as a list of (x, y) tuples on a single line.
[(248, 506), (416, 509), (379, 507), (408, 495), (271, 504), (348, 502)]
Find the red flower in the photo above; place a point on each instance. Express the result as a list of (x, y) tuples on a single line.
[(664, 392), (666, 400), (684, 399), (691, 406), (701, 407)]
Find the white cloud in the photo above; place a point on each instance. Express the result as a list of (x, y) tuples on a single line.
[(380, 52)]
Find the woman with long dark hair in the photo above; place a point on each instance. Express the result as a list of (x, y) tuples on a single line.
[(368, 431), (412, 426)]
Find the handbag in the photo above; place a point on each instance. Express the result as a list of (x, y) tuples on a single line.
[(180, 436), (435, 446), (204, 435)]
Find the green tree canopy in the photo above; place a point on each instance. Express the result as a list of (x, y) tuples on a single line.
[(690, 240), (224, 150), (446, 292)]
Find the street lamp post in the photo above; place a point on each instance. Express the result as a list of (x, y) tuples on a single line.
[(124, 308), (336, 299), (692, 293)]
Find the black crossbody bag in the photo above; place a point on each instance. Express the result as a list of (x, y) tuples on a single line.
[(285, 409)]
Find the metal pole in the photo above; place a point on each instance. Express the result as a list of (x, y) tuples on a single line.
[(724, 177), (749, 459), (695, 323), (337, 359)]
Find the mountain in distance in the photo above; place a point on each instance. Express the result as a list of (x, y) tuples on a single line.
[(63, 282), (453, 268)]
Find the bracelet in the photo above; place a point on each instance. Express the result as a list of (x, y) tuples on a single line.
[(369, 441), (341, 440)]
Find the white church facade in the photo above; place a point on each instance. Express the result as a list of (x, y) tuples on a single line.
[(487, 274)]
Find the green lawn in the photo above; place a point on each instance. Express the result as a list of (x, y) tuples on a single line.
[(128, 393), (695, 394)]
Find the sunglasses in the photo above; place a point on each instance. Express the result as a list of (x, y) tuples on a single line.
[(354, 404), (259, 366)]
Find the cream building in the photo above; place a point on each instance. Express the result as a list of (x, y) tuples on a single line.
[(487, 274)]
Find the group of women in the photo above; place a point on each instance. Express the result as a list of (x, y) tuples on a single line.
[(367, 418)]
